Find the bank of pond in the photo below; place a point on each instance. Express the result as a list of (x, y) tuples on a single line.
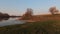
[(46, 27)]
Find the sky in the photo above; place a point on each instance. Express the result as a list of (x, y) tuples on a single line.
[(18, 7)]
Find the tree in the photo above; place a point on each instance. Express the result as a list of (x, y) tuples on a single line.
[(6, 15), (53, 10), (28, 14), (1, 14)]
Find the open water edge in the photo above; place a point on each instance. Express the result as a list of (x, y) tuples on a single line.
[(11, 22)]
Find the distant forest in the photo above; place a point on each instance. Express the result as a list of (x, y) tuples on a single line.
[(6, 15), (2, 15)]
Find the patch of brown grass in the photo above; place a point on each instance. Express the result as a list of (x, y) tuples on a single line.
[(36, 18)]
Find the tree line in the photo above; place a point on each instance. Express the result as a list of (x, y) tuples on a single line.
[(4, 15)]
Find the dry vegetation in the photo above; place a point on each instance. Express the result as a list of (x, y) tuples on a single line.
[(29, 17)]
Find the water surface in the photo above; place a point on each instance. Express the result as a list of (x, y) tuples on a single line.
[(11, 21)]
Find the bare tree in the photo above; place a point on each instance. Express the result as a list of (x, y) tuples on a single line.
[(28, 14), (53, 10)]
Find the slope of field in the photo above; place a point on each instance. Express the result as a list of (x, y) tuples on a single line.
[(36, 18), (46, 27)]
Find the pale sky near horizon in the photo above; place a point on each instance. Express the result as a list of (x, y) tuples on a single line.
[(18, 7)]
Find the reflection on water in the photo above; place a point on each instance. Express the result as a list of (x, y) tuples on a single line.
[(1, 19), (10, 21)]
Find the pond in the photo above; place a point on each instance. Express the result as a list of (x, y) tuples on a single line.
[(10, 21)]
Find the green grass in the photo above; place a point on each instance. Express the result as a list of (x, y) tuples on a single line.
[(46, 27)]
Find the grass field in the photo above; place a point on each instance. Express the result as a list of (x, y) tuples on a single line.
[(46, 27)]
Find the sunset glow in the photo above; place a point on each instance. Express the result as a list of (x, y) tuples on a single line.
[(18, 7)]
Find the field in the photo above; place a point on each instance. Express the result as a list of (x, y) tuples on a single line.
[(46, 27), (36, 18), (49, 24)]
